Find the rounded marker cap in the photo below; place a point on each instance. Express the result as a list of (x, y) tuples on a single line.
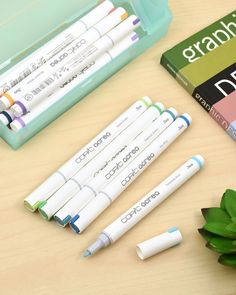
[(4, 103), (200, 160), (16, 125), (112, 20), (6, 117), (147, 100), (188, 119), (155, 245), (159, 106), (173, 112), (18, 109)]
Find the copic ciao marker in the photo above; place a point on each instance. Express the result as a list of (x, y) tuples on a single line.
[(39, 57), (93, 168), (65, 88), (68, 70), (71, 167), (111, 191), (65, 55), (144, 206), (91, 189)]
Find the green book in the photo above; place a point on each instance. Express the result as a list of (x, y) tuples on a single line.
[(205, 65)]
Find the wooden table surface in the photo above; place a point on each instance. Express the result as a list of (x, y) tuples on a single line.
[(37, 257)]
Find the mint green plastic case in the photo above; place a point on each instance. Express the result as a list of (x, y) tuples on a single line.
[(30, 20)]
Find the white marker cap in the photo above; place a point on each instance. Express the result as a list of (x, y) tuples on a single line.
[(17, 110), (4, 103), (96, 14), (173, 112), (110, 21), (159, 243), (6, 117), (126, 27)]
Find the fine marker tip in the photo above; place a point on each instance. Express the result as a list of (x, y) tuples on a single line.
[(87, 254)]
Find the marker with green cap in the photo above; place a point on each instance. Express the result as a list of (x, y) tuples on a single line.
[(87, 153), (98, 164)]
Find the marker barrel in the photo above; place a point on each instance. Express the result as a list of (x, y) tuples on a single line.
[(134, 169), (144, 206), (28, 92), (73, 82), (71, 167), (67, 195), (89, 212), (39, 57), (61, 74)]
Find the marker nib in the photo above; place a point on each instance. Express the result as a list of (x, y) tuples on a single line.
[(87, 254)]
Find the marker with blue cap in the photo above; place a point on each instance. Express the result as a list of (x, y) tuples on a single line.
[(109, 193), (144, 206)]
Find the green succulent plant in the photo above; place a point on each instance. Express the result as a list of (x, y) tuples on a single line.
[(220, 228)]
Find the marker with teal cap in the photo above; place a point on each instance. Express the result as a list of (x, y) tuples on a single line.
[(86, 154), (110, 192), (144, 206)]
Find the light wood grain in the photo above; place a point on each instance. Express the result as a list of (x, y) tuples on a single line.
[(40, 258)]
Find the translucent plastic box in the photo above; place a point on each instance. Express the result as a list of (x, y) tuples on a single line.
[(40, 20)]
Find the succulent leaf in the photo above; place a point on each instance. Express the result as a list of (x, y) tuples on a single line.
[(231, 227), (228, 260), (222, 245), (216, 215), (229, 202), (207, 236), (219, 229)]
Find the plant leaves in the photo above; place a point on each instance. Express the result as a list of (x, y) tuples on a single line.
[(219, 229), (216, 215), (222, 245), (229, 202), (222, 202), (228, 260), (207, 236), (231, 227)]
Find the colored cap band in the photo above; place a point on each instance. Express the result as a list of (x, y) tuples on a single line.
[(23, 108), (158, 108), (147, 104), (21, 122), (198, 161), (172, 229), (136, 21), (10, 99), (135, 37), (172, 114), (185, 119), (9, 118)]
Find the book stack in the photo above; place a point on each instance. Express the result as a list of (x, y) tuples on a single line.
[(205, 65)]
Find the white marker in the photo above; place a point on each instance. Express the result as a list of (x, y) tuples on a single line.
[(143, 207), (48, 83), (39, 57), (116, 165), (71, 167), (94, 168), (73, 82), (36, 79), (110, 192), (109, 172)]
